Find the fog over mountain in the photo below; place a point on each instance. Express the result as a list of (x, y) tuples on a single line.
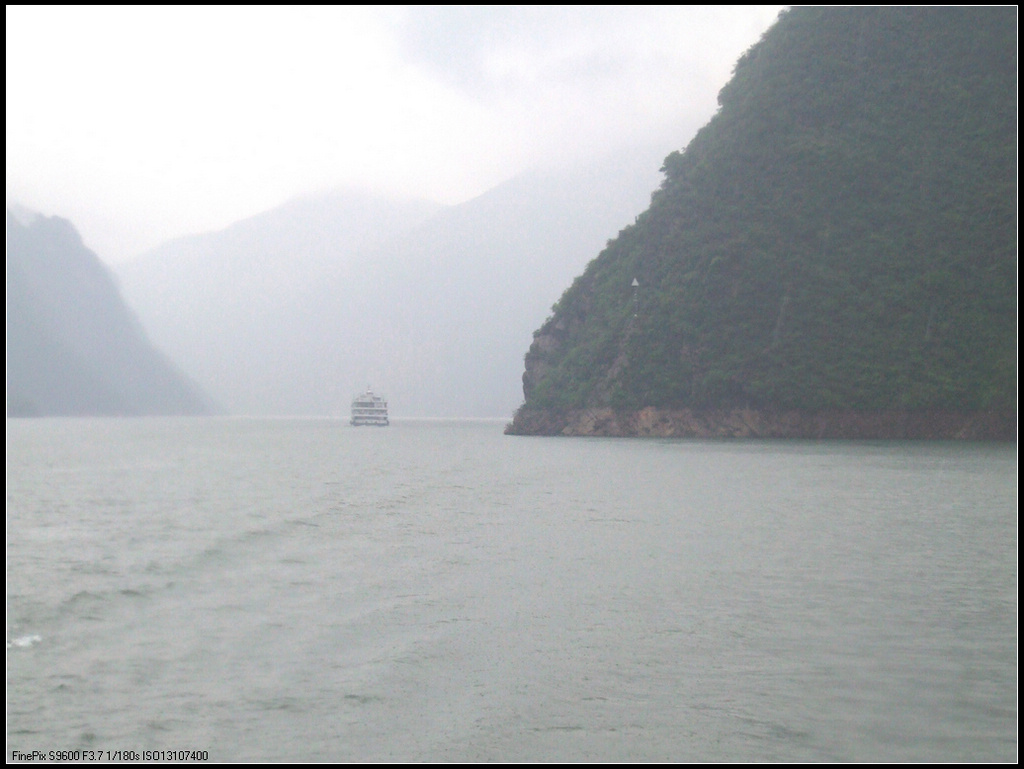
[(111, 126), (73, 347), (293, 311)]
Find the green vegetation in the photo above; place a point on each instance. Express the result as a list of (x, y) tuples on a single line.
[(842, 234)]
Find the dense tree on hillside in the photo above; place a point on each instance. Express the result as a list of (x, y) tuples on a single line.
[(841, 235)]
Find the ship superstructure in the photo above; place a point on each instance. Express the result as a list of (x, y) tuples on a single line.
[(369, 409)]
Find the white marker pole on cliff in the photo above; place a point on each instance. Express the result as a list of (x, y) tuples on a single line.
[(636, 297)]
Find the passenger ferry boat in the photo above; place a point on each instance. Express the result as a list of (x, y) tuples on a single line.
[(369, 409)]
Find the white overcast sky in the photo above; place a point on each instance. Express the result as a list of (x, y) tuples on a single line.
[(141, 124)]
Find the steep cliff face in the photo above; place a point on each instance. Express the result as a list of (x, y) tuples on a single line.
[(73, 347), (839, 240)]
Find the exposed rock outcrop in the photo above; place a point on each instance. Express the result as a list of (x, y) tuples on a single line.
[(751, 423)]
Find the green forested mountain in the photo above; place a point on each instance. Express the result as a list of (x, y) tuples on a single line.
[(841, 236)]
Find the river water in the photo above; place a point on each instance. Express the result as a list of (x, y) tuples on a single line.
[(437, 591)]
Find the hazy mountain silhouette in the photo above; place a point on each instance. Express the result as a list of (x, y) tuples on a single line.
[(295, 310), (73, 346)]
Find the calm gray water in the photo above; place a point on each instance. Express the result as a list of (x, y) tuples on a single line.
[(436, 591)]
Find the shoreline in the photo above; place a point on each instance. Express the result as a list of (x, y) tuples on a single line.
[(654, 422)]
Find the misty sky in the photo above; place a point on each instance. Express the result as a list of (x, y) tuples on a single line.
[(141, 124)]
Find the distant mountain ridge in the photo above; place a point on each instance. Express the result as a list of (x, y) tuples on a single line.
[(838, 243), (294, 311), (73, 347)]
